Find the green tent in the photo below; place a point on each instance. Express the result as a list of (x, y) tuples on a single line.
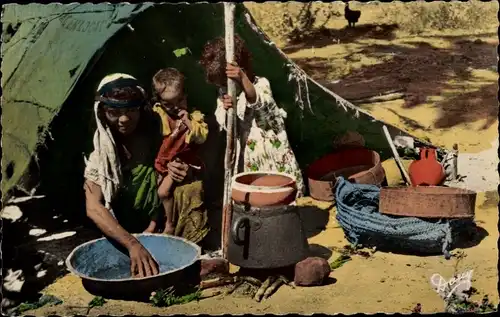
[(54, 56)]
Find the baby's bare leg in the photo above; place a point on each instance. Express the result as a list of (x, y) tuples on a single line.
[(166, 194)]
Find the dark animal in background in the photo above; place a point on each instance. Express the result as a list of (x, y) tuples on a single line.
[(417, 309), (352, 16)]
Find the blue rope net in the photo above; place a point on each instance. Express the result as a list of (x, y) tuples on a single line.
[(359, 217)]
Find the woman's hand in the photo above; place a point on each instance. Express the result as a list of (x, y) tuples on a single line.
[(177, 170), (227, 102), (142, 263)]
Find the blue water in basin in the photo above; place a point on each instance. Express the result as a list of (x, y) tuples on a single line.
[(102, 260)]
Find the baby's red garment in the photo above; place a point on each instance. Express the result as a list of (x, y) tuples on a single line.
[(174, 146)]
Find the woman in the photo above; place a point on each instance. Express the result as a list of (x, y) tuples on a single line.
[(120, 180), (262, 139)]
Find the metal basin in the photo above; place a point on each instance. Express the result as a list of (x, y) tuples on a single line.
[(358, 165), (104, 266)]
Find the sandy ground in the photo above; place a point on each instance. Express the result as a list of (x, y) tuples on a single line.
[(389, 282), (447, 78), (384, 282), (479, 170)]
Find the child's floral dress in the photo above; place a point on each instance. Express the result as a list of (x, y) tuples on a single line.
[(261, 134)]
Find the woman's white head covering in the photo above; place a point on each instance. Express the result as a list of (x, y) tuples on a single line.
[(119, 80), (103, 165), (112, 77)]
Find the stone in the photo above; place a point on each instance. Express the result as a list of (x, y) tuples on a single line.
[(311, 272), (213, 266)]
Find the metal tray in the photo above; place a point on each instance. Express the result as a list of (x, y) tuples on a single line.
[(427, 202)]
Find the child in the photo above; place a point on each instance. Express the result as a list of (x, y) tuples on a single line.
[(182, 133), (262, 139)]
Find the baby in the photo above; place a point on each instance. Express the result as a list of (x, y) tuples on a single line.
[(182, 134)]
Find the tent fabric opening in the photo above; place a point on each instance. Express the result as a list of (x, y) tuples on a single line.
[(53, 63)]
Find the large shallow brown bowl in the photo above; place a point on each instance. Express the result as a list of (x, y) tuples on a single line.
[(427, 202), (358, 165), (105, 269), (261, 189)]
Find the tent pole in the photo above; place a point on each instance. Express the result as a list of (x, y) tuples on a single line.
[(229, 158), (399, 163)]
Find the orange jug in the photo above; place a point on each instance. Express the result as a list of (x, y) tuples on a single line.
[(427, 171)]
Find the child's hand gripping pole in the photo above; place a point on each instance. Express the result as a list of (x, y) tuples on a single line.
[(231, 129)]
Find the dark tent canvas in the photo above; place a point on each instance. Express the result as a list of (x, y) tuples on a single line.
[(55, 55)]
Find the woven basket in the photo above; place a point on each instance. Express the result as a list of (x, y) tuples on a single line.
[(428, 202)]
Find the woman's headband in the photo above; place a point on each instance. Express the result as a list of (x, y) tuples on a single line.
[(118, 84)]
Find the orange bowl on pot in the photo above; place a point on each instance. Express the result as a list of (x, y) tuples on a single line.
[(260, 189), (273, 181)]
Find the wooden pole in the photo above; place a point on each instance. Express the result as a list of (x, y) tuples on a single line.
[(231, 131), (454, 173), (399, 163)]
